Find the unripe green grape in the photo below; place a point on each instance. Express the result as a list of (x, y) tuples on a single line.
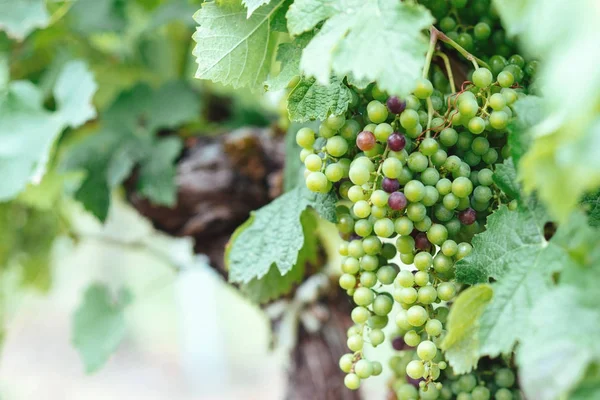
[(506, 79), (383, 131), (337, 146), (372, 245), (388, 251), (417, 162), (350, 266), (317, 182), (363, 296), (375, 151), (354, 330), (369, 262), (313, 162), (415, 369), (350, 130), (444, 186), (376, 337), (466, 383), (409, 118), (400, 155), (424, 224), (407, 259), (433, 327), (482, 31), (305, 137), (463, 396), (426, 350), (392, 168), (360, 315), (387, 274), (347, 281), (448, 137), (490, 157), (352, 381), (485, 177), (343, 189), (405, 244), (498, 120), (382, 305), (480, 145), (442, 263), (359, 175), (504, 378), (453, 163), (468, 108), (462, 187), (368, 279), (334, 172), (407, 295), (378, 93), (446, 291), (497, 102), (480, 393), (363, 227), (405, 176), (424, 88), (412, 338), (407, 392), (356, 193), (439, 158), (355, 343), (516, 71), (384, 228), (450, 201), (416, 212), (432, 392), (402, 320), (437, 234), (423, 261), (431, 196), (443, 214), (377, 367), (421, 278), (482, 77), (414, 132), (466, 41), (377, 112), (427, 294), (509, 95), (430, 176), (476, 125), (428, 146), (403, 226), (325, 131), (417, 315), (335, 122), (305, 153), (346, 362), (464, 249), (453, 227), (362, 209), (503, 394), (379, 198), (343, 249), (405, 278), (414, 191), (482, 194), (378, 321), (471, 158), (345, 224), (363, 369), (447, 24)]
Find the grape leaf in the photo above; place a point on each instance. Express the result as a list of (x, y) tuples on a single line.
[(505, 177), (28, 130), (253, 5), (591, 204), (529, 111), (304, 15), (274, 235), (288, 54), (91, 16), (274, 284), (461, 344), (379, 41), (514, 252), (99, 325), (589, 388), (232, 49), (546, 371), (310, 100), (20, 18)]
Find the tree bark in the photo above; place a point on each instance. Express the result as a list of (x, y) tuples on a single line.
[(219, 181)]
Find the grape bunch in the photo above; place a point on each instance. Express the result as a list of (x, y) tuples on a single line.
[(415, 181)]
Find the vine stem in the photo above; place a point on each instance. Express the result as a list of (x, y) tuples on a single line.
[(474, 60), (433, 37), (448, 69)]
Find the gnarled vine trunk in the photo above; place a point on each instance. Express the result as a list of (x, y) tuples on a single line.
[(220, 180)]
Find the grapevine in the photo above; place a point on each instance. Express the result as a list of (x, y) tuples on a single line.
[(414, 178)]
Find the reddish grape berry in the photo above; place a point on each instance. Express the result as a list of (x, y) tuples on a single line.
[(397, 201), (365, 140), (390, 185), (468, 216), (395, 105), (398, 344), (396, 141), (421, 241)]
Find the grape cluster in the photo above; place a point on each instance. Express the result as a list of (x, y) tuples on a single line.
[(415, 182)]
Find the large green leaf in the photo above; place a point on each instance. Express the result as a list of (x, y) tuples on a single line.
[(310, 100), (288, 54), (28, 130), (505, 177), (461, 344), (514, 252), (374, 40), (274, 235), (99, 325), (231, 48), (19, 18), (253, 5), (91, 16)]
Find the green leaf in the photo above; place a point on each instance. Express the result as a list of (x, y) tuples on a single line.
[(591, 204), (379, 41), (274, 284), (20, 18), (288, 54), (310, 100), (304, 15), (552, 361), (253, 5), (529, 111), (99, 325), (273, 236), (589, 388), (461, 344), (505, 177), (232, 49), (157, 174), (91, 16), (73, 92), (514, 252), (28, 130)]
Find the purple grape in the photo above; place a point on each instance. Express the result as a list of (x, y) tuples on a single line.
[(397, 201), (395, 105), (414, 382), (468, 216), (421, 241), (396, 141), (398, 344), (390, 185)]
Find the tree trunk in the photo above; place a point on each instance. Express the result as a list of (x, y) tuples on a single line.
[(220, 180)]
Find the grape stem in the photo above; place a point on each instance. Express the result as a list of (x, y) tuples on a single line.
[(432, 42), (448, 69), (442, 36)]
